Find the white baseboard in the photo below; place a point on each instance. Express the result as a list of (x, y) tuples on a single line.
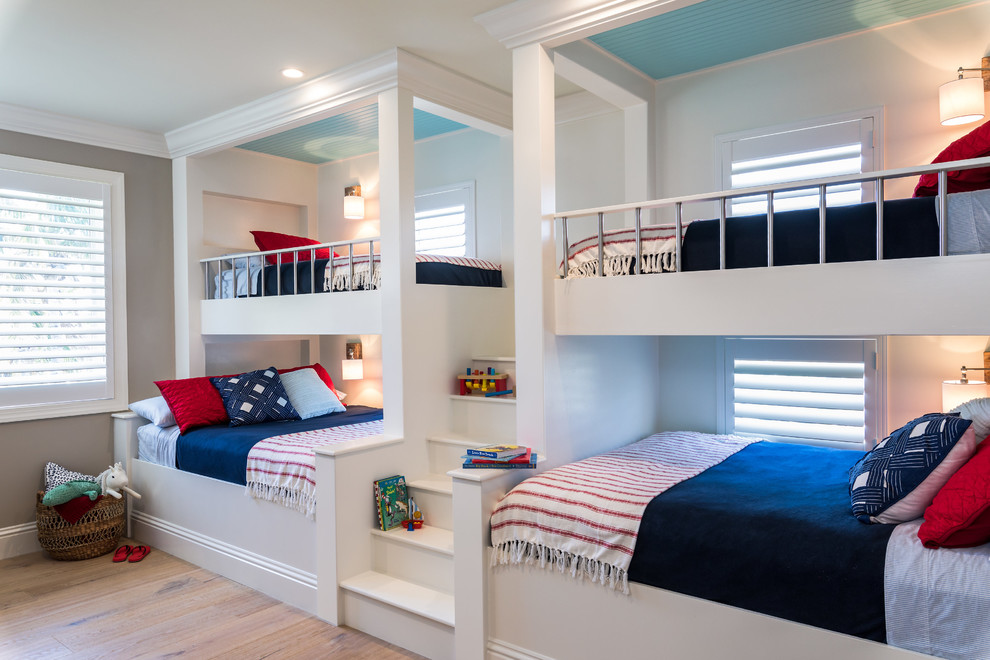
[(19, 540), (279, 580), (499, 650)]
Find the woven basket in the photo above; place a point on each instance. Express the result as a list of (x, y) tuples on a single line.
[(95, 534)]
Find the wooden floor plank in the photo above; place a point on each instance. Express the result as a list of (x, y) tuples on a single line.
[(156, 608)]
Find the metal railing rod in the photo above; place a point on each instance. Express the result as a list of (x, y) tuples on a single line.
[(770, 228), (371, 264), (822, 209), (567, 251), (678, 225), (879, 202), (943, 210), (350, 267), (639, 241), (721, 233), (601, 245)]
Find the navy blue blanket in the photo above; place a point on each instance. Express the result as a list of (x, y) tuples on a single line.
[(770, 530), (910, 229), (280, 278), (221, 451)]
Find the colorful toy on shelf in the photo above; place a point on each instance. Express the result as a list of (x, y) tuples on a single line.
[(415, 519), (484, 383)]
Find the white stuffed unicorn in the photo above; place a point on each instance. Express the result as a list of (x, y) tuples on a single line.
[(113, 480)]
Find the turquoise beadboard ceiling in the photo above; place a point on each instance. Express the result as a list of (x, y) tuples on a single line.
[(715, 32), (695, 37), (353, 133)]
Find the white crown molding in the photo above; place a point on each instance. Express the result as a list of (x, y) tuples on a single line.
[(61, 127), (580, 105), (454, 96), (556, 22), (314, 99), (465, 99)]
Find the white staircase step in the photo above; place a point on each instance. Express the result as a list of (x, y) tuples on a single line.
[(484, 399), (455, 440), (422, 601), (434, 483), (427, 537)]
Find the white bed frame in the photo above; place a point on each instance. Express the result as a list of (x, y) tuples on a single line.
[(266, 546)]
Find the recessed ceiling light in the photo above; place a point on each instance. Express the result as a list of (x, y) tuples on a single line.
[(292, 73)]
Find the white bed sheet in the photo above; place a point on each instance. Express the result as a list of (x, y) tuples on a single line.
[(937, 601), (236, 279), (157, 445)]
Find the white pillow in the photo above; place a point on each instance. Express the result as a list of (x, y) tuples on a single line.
[(977, 410), (155, 410), (308, 394)]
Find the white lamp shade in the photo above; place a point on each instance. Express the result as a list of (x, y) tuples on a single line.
[(353, 207), (961, 101), (956, 392), (352, 369)]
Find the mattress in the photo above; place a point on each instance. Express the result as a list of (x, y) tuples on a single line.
[(157, 445), (284, 279), (221, 452)]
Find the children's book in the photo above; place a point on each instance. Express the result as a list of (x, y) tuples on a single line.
[(527, 460), (521, 458), (392, 501), (497, 451)]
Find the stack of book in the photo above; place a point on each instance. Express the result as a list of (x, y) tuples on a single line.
[(500, 457)]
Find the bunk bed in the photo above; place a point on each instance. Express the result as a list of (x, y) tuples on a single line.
[(904, 248), (766, 527)]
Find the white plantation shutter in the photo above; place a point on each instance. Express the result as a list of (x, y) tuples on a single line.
[(445, 221), (830, 147), (56, 293), (808, 391)]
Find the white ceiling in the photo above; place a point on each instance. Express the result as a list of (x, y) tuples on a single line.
[(157, 65)]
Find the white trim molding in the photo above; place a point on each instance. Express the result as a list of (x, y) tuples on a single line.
[(18, 540), (61, 127), (556, 22)]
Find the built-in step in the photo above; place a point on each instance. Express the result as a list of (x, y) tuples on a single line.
[(433, 495), (423, 601), (483, 399), (428, 537)]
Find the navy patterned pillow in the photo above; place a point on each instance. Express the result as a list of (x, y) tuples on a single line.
[(254, 397), (898, 478)]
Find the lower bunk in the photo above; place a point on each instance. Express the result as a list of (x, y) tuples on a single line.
[(210, 519), (725, 547)]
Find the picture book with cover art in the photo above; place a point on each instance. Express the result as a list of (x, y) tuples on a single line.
[(497, 451), (392, 501)]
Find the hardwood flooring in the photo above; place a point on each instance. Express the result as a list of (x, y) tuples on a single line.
[(159, 607)]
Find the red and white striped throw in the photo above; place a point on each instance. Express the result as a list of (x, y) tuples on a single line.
[(282, 469), (584, 517)]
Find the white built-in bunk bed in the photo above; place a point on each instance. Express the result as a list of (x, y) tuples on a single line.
[(335, 565), (539, 608)]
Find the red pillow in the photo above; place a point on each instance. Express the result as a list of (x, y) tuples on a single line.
[(318, 368), (271, 240), (974, 144), (194, 402), (959, 516)]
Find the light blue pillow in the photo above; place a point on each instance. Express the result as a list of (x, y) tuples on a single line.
[(309, 395)]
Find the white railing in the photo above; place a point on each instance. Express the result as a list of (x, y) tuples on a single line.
[(721, 198), (216, 266)]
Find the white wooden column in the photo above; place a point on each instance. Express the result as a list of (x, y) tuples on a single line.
[(533, 198), (187, 244), (396, 165)]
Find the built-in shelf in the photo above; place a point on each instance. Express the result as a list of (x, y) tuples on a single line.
[(435, 483), (427, 537), (426, 602), (455, 439), (486, 358), (484, 399)]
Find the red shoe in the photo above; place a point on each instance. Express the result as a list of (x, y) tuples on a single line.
[(140, 552), (122, 553)]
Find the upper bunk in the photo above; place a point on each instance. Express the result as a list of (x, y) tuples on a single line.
[(401, 131), (867, 268)]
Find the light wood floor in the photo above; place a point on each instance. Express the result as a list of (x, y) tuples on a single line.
[(157, 608)]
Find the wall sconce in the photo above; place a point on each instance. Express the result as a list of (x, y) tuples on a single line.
[(353, 203), (957, 392), (352, 366), (961, 101)]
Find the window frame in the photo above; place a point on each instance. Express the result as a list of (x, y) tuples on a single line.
[(470, 216), (807, 349), (116, 297), (871, 144)]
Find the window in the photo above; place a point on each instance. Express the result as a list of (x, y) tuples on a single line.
[(445, 221), (827, 147), (809, 391), (62, 314)]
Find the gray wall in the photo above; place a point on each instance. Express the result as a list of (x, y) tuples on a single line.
[(86, 443)]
